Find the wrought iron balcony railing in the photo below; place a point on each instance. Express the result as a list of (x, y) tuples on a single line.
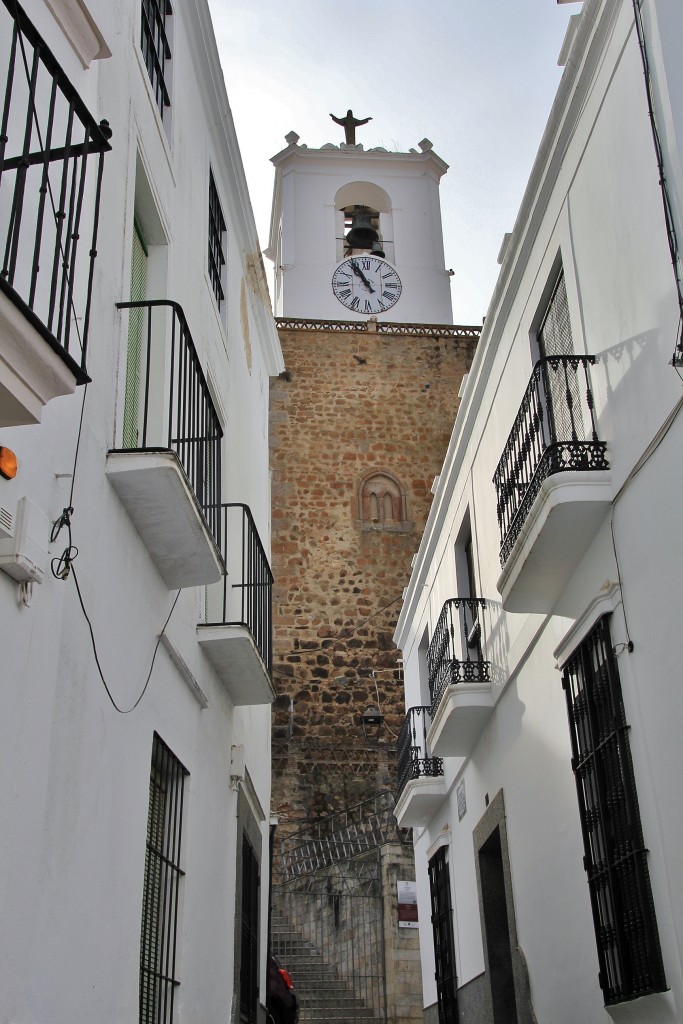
[(168, 403), (49, 194), (414, 757), (454, 654), (554, 432), (245, 595)]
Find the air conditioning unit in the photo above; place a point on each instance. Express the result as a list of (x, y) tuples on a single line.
[(24, 539)]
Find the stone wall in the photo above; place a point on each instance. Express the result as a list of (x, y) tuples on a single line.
[(359, 425)]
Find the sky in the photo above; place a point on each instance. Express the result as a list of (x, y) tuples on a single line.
[(476, 77)]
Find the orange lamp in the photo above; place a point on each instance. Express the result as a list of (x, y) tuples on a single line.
[(8, 463)]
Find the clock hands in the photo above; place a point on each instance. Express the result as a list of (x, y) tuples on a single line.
[(359, 273)]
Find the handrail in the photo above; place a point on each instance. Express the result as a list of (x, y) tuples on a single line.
[(454, 654), (554, 431), (413, 755), (188, 424), (44, 155), (247, 598)]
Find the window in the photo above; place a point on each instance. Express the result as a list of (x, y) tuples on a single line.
[(249, 941), (560, 381), (216, 244), (161, 886), (444, 943), (382, 503), (615, 856), (156, 48)]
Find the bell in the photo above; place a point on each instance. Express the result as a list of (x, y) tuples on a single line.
[(362, 234)]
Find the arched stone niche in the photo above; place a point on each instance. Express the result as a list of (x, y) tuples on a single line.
[(364, 193), (382, 503)]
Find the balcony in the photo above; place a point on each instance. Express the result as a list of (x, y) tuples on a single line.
[(459, 678), (421, 785), (51, 163), (237, 636), (552, 483), (168, 471)]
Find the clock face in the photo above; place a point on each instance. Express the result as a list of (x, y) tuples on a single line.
[(366, 284)]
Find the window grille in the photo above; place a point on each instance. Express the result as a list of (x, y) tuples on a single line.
[(444, 943), (216, 243), (615, 856), (249, 948), (156, 48), (161, 886)]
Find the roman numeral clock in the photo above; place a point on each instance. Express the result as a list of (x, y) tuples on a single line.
[(366, 284)]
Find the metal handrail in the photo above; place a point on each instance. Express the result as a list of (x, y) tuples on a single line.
[(44, 153), (455, 654), (554, 431), (413, 755), (188, 423), (247, 587)]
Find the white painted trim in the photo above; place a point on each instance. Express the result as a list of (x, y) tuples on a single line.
[(80, 29), (444, 838), (187, 676), (606, 601)]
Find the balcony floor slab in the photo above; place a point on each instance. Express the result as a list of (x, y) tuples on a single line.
[(159, 500), (237, 662), (463, 711), (558, 530), (420, 800), (31, 372)]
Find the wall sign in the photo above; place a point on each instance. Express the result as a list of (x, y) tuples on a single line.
[(407, 904)]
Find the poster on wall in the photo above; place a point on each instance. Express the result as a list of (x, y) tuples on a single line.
[(407, 904)]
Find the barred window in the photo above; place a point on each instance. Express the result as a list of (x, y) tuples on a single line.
[(216, 244), (249, 947), (161, 886), (156, 48), (615, 856)]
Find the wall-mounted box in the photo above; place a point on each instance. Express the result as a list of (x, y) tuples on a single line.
[(23, 553)]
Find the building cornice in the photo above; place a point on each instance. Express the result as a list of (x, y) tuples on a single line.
[(374, 327)]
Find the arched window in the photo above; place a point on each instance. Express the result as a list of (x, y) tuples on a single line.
[(382, 503), (378, 204)]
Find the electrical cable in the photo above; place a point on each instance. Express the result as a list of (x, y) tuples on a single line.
[(670, 225), (121, 711)]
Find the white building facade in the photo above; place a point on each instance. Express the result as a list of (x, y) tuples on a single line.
[(540, 756), (136, 344)]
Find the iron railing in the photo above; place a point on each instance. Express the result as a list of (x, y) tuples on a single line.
[(177, 411), (47, 199), (413, 754), (245, 595), (341, 836), (554, 431), (454, 654)]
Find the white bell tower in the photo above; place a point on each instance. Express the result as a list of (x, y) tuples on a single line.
[(320, 195)]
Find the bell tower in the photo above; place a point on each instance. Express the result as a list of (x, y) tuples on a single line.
[(343, 202), (359, 425)]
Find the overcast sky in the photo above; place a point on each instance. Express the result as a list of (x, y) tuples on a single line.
[(477, 77)]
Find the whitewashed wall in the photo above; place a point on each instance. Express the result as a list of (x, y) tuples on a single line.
[(594, 200), (75, 774)]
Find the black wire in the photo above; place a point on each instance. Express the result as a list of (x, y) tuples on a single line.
[(121, 711), (672, 239), (629, 645)]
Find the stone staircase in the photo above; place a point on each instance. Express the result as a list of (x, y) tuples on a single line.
[(323, 994)]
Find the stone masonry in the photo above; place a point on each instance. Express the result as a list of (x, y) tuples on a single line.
[(359, 425)]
